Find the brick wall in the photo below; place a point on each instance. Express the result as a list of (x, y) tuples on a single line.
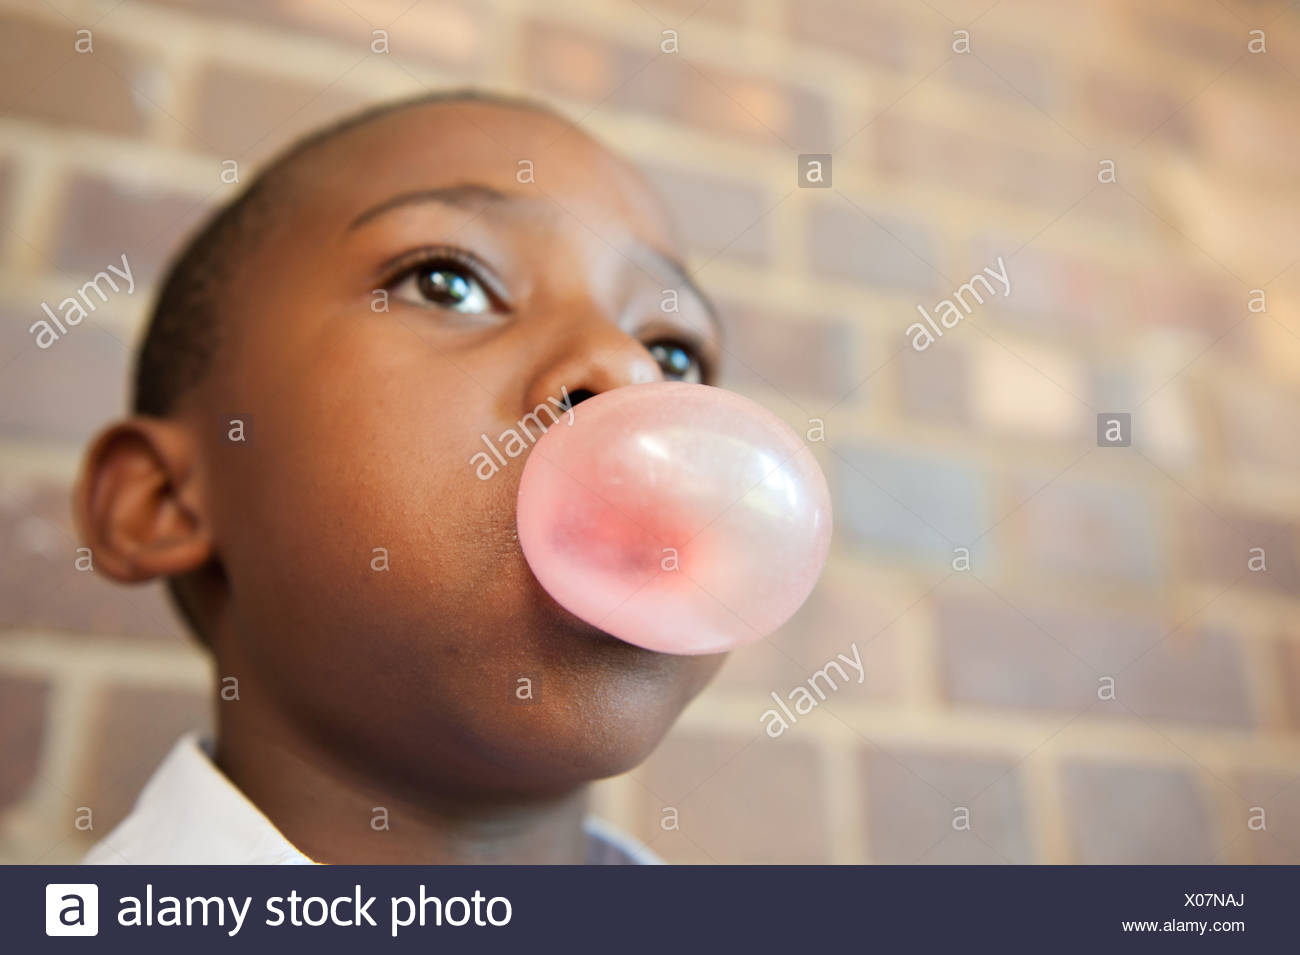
[(1086, 563)]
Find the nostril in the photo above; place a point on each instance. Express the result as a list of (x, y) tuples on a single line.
[(582, 394)]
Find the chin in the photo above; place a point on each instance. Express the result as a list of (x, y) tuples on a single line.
[(590, 724), (581, 761)]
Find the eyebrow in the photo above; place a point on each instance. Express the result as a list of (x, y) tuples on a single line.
[(476, 194), (677, 271), (464, 194)]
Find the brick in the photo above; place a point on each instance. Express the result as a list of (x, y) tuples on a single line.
[(679, 13), (935, 384), (1053, 292), (980, 637), (1260, 72), (248, 117), (832, 622), (1122, 207), (1212, 45), (1069, 28), (914, 797), (1102, 531), (44, 78), (444, 31), (24, 705), (1194, 675), (1288, 670), (813, 356), (868, 34), (957, 160), (1106, 640), (317, 19), (921, 507), (718, 215), (1255, 134), (583, 66), (1183, 297), (1028, 390), (1136, 110), (42, 588), (1267, 822), (448, 33), (132, 730), (1251, 414), (733, 808), (6, 194), (1012, 75), (574, 64), (101, 220), (845, 243), (1111, 386), (1167, 426), (777, 114), (1219, 545), (1245, 227), (1126, 815), (35, 400)]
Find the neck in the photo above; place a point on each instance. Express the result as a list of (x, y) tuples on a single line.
[(333, 813)]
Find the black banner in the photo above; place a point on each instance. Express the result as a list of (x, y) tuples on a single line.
[(662, 909)]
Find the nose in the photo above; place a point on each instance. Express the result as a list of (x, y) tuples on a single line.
[(591, 361)]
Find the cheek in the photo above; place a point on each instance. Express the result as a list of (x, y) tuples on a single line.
[(361, 465), (376, 574)]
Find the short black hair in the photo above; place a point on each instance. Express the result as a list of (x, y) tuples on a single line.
[(184, 329)]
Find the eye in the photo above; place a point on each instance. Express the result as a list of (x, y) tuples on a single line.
[(679, 362), (445, 283)]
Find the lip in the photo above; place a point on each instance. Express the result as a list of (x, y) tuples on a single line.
[(560, 618)]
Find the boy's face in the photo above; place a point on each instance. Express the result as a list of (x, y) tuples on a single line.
[(373, 585)]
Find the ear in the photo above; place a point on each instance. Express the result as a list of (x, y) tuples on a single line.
[(139, 503)]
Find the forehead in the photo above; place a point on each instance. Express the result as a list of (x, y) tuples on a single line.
[(513, 149)]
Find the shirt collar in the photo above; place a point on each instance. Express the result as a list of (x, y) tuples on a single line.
[(190, 813)]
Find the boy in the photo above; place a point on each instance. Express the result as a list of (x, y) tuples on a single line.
[(318, 374)]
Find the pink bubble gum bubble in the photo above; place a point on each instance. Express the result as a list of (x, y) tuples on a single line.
[(680, 518)]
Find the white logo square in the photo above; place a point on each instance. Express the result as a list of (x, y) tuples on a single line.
[(72, 908)]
